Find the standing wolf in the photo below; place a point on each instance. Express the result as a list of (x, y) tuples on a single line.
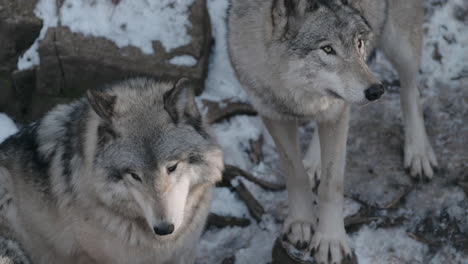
[(302, 59), (122, 176)]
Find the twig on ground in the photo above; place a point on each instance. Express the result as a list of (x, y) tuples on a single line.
[(230, 172), (358, 219), (221, 221), (394, 203), (217, 113), (256, 153), (418, 238), (255, 208)]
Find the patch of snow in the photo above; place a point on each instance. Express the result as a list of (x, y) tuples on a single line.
[(442, 32), (129, 23), (218, 244), (7, 127), (387, 246), (233, 136), (274, 203), (259, 249), (431, 200), (45, 10), (449, 255), (226, 203), (183, 60), (221, 82), (351, 207)]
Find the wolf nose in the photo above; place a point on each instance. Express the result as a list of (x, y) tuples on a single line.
[(374, 92), (163, 229)]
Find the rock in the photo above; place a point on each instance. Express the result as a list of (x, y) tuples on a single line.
[(24, 83), (6, 91), (40, 104), (72, 62), (19, 27)]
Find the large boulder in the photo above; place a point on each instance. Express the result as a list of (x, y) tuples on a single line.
[(71, 62)]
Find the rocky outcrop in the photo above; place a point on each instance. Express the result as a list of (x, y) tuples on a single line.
[(72, 62)]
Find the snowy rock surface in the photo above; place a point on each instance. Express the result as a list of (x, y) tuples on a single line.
[(87, 43), (126, 23)]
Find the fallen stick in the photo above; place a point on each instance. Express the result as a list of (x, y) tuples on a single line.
[(394, 203), (255, 152), (358, 220), (216, 113), (230, 172), (222, 221), (255, 208)]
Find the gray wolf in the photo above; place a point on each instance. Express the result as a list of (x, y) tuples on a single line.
[(123, 175), (307, 59)]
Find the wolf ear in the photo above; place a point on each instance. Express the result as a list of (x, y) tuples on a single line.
[(180, 103), (284, 11), (102, 103)]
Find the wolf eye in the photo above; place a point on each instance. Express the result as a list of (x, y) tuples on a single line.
[(328, 49), (135, 176), (172, 168)]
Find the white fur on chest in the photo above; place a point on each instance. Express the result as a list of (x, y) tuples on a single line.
[(116, 240)]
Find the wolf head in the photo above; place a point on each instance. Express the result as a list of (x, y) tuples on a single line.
[(324, 46), (151, 151)]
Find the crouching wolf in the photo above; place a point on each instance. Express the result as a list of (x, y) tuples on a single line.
[(302, 59), (122, 176)]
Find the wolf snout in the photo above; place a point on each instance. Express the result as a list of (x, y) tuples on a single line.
[(374, 92), (163, 229)]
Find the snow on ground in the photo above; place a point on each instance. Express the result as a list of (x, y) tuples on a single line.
[(438, 40), (431, 219), (7, 127), (128, 23), (221, 82), (373, 246)]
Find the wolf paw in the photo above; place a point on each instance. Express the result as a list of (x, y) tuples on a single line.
[(331, 249), (299, 234), (420, 159)]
